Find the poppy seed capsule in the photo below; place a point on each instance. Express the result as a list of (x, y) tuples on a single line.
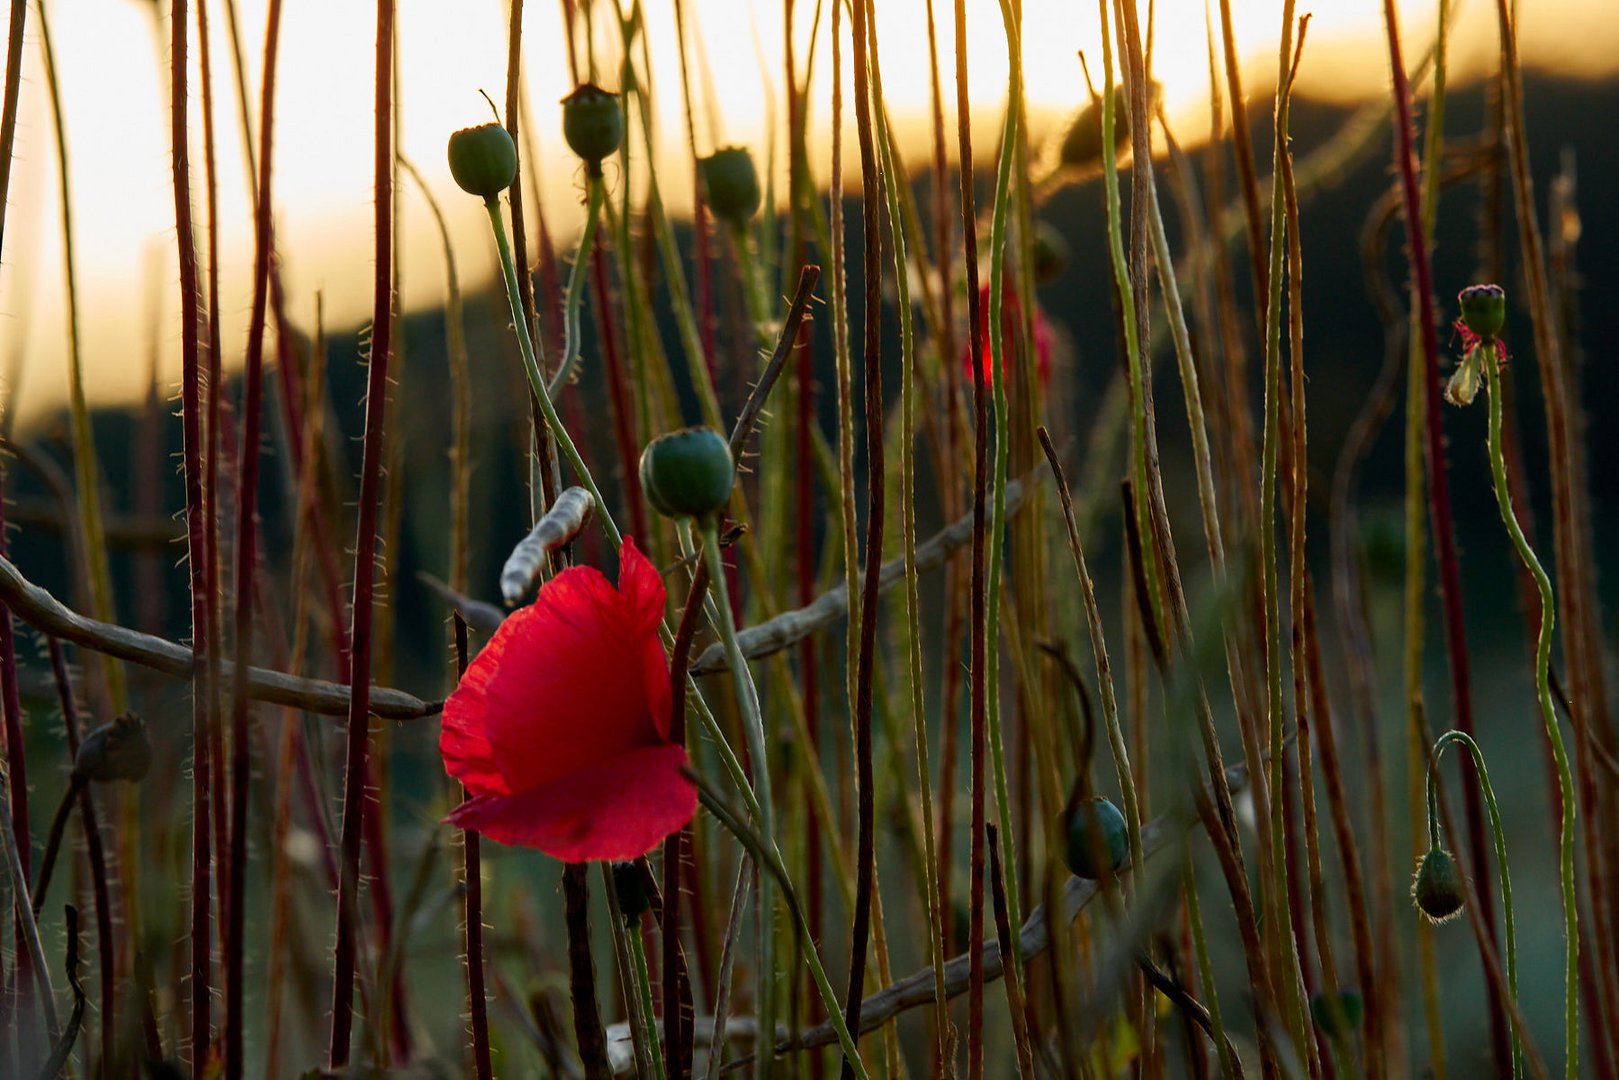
[(629, 885), (115, 751), (1081, 146), (1484, 309), (592, 123), (483, 160), (1437, 887), (731, 184), (1050, 253), (1096, 829), (688, 473), (1338, 1013)]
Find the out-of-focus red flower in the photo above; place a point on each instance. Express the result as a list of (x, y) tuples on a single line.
[(560, 727), (1011, 322)]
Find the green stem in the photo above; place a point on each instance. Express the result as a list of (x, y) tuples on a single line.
[(1500, 861), (747, 699), (1543, 657), (753, 285), (1002, 448), (1127, 315), (1229, 1066), (643, 982), (768, 857), (536, 378), (907, 481), (1288, 976), (576, 289)]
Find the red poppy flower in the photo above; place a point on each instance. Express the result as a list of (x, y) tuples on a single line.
[(560, 727), (1011, 323)]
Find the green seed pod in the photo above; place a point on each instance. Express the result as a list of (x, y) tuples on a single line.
[(731, 184), (629, 885), (1437, 887), (1050, 253), (483, 160), (592, 123), (115, 751), (688, 473), (1484, 309), (1081, 146), (1096, 828), (1338, 1013)]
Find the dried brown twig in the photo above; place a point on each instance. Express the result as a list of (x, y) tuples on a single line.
[(39, 609)]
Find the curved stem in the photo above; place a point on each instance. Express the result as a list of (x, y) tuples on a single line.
[(1500, 859), (576, 289), (536, 378), (1543, 655)]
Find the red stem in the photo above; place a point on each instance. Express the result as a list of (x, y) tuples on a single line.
[(472, 912), (16, 758), (1450, 585), (677, 1000), (979, 613), (619, 397), (197, 542), (106, 944), (8, 118), (246, 556), (871, 361), (356, 765)]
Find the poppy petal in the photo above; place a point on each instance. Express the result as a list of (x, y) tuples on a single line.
[(642, 588), (620, 809), (548, 697)]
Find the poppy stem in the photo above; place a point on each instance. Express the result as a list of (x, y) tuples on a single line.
[(643, 982), (1543, 655), (747, 698), (536, 379), (576, 292), (768, 859)]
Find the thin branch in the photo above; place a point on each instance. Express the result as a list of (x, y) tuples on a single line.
[(39, 609)]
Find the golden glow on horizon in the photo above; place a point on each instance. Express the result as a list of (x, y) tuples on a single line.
[(117, 116)]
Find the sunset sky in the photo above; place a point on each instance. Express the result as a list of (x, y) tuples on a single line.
[(111, 55)]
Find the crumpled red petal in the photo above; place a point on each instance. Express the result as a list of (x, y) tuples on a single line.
[(618, 809), (548, 696)]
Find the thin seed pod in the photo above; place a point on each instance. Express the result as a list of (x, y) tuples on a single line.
[(570, 512)]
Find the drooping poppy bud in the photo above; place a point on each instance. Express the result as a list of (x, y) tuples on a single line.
[(731, 184), (1484, 309), (592, 123), (688, 473), (629, 886), (483, 160), (1096, 830), (1464, 383), (115, 751), (1437, 887)]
